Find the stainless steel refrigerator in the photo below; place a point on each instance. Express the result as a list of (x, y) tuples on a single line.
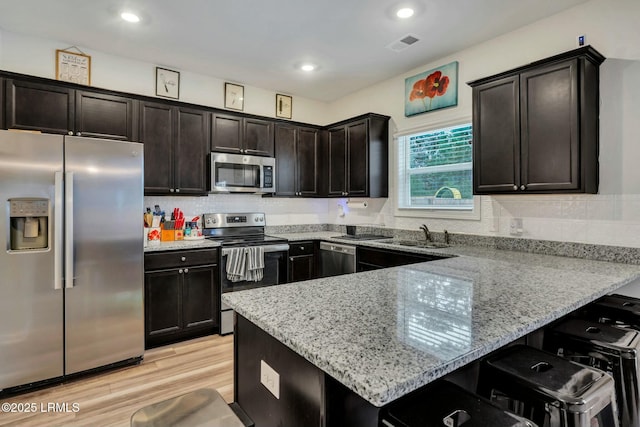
[(71, 269)]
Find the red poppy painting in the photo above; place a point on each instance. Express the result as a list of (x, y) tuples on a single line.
[(432, 90)]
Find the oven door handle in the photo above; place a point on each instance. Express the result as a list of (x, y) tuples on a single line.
[(267, 248)]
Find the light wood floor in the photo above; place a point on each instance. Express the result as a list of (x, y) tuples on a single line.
[(109, 399)]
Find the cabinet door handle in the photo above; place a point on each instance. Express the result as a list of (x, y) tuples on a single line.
[(177, 190), (171, 190), (515, 187), (70, 133), (522, 187), (180, 271), (183, 259), (186, 270), (78, 133)]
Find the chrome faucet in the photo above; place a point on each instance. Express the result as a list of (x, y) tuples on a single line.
[(427, 233)]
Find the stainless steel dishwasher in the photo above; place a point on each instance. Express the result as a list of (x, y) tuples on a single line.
[(336, 259)]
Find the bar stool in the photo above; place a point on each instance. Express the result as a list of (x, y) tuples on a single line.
[(445, 404), (199, 408), (610, 348), (549, 390), (619, 310)]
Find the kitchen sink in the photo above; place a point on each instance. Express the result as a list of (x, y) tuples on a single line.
[(420, 244)]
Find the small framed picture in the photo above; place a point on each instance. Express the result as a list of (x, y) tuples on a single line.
[(167, 83), (73, 67), (283, 106), (233, 96)]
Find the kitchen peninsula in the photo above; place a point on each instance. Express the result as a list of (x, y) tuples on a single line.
[(337, 350)]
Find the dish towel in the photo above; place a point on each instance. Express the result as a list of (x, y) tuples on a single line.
[(236, 263), (244, 264), (255, 264)]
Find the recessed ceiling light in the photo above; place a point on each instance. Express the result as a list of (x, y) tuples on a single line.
[(130, 17), (405, 12), (307, 67)]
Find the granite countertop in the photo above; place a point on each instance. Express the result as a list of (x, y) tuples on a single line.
[(385, 333), (182, 245)]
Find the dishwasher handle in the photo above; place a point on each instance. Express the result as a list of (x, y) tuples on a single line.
[(334, 247)]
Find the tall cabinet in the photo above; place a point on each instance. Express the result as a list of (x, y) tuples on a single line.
[(297, 162), (356, 157), (535, 128), (176, 140)]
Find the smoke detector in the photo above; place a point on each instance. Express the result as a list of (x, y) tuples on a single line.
[(403, 43)]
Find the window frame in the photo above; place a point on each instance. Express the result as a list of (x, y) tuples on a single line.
[(402, 177)]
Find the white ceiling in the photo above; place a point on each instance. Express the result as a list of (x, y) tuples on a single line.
[(260, 42)]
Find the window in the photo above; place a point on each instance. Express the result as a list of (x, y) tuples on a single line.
[(435, 172)]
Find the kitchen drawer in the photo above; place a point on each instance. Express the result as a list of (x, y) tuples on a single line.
[(162, 260), (300, 248)]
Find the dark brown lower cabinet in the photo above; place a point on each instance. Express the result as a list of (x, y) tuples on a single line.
[(181, 302), (302, 261), (307, 396)]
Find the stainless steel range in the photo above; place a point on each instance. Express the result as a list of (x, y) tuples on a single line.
[(238, 231)]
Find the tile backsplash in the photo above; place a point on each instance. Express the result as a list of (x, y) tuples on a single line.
[(603, 219)]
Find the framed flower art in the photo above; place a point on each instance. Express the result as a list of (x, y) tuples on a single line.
[(431, 90)]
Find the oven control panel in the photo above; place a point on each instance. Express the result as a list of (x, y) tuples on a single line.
[(225, 220)]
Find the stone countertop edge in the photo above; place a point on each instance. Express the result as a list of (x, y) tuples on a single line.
[(182, 245), (359, 330)]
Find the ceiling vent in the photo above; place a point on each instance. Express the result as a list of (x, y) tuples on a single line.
[(403, 43)]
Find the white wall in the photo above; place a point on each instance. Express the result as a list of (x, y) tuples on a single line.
[(610, 217), (36, 56)]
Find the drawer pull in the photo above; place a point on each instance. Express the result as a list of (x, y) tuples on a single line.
[(183, 259)]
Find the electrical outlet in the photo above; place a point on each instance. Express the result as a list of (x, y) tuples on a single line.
[(581, 40), (515, 227), (270, 379)]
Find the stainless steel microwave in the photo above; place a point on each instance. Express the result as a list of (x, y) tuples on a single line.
[(236, 173)]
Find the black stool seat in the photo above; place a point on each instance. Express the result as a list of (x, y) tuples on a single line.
[(448, 405), (615, 309), (549, 389)]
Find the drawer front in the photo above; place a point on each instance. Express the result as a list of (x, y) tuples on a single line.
[(162, 260), (300, 248)]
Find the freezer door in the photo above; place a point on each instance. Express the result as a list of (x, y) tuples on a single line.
[(31, 317), (104, 319)]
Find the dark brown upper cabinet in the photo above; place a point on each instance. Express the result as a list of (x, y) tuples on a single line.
[(356, 157), (231, 133), (51, 108), (176, 144), (297, 160), (535, 128)]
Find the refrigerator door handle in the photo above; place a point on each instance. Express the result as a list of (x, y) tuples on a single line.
[(68, 230), (57, 231)]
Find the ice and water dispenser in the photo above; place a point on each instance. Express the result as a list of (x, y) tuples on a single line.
[(29, 223)]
